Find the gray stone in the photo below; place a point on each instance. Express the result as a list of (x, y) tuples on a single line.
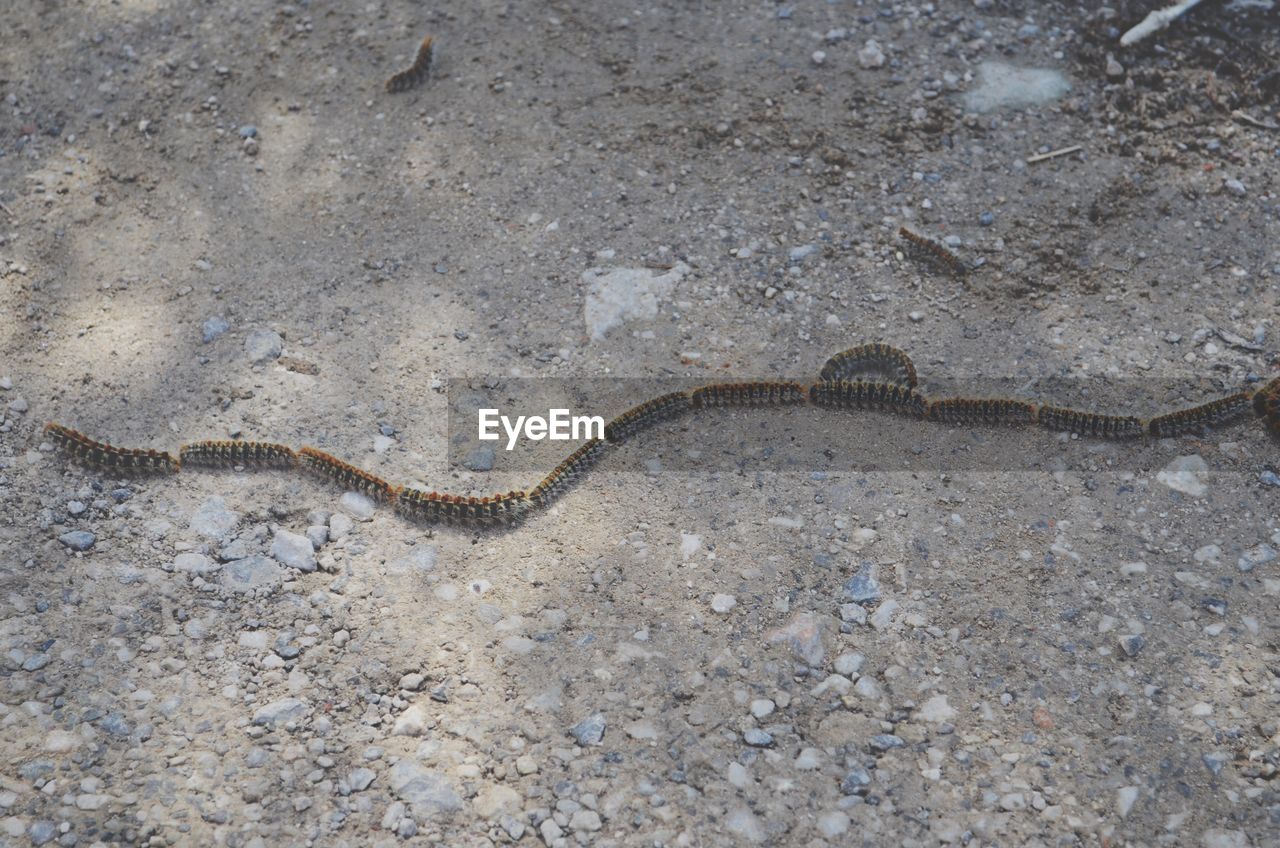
[(863, 586), (1235, 187), (1131, 644), (361, 778), (317, 535), (41, 832), (35, 662), (248, 131), (252, 574), (802, 252), (1003, 86), (214, 328), (479, 459), (589, 731), (263, 345), (358, 506), (871, 56), (420, 560), (279, 712), (1215, 760), (1186, 474), (885, 742), (427, 792), (193, 563), (213, 520), (856, 781), (78, 540), (1256, 556), (757, 738), (340, 524), (294, 551)]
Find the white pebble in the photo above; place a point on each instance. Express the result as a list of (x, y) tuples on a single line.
[(722, 603)]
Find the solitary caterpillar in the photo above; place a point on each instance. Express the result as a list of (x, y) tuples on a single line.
[(758, 393), (869, 394), (103, 455), (647, 414), (1202, 417), (346, 475), (454, 509), (982, 411), (1091, 423), (573, 467), (1266, 402), (415, 73), (928, 251), (877, 361), (213, 453)]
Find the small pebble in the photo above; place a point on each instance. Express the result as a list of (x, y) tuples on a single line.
[(1131, 644), (359, 506), (248, 131), (819, 57), (214, 328), (294, 551), (263, 345), (871, 56), (757, 738), (78, 540), (1254, 557), (762, 707), (479, 459), (723, 603), (589, 731), (1235, 187), (986, 219)]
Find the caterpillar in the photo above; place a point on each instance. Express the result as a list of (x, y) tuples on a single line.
[(348, 476), (213, 453), (573, 467), (1207, 415), (1266, 402), (869, 394), (1091, 423), (876, 359), (455, 509), (103, 455), (758, 393), (979, 411), (647, 414), (928, 251), (415, 73)]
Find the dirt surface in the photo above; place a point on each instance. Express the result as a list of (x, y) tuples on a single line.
[(215, 222)]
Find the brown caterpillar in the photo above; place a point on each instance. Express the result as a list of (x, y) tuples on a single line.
[(103, 455), (1266, 402), (214, 453), (1091, 423), (757, 393), (869, 394), (878, 361), (928, 251), (455, 509), (646, 415), (346, 475), (573, 467), (415, 73), (982, 411), (1198, 418)]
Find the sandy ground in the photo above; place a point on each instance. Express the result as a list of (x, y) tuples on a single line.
[(731, 631)]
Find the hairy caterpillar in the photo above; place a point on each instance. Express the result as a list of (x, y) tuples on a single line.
[(1266, 402), (455, 509), (869, 394), (346, 475), (646, 415), (931, 252), (415, 73), (213, 453), (982, 411), (757, 393), (870, 360), (103, 455), (573, 467), (1091, 423), (1212, 414)]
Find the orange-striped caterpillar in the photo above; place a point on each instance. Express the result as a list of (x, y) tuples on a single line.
[(1266, 402), (647, 414), (346, 475), (573, 467), (980, 411), (876, 361), (757, 393), (931, 252), (1198, 418), (869, 394), (1091, 423), (103, 455), (455, 509), (415, 73), (213, 453)]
